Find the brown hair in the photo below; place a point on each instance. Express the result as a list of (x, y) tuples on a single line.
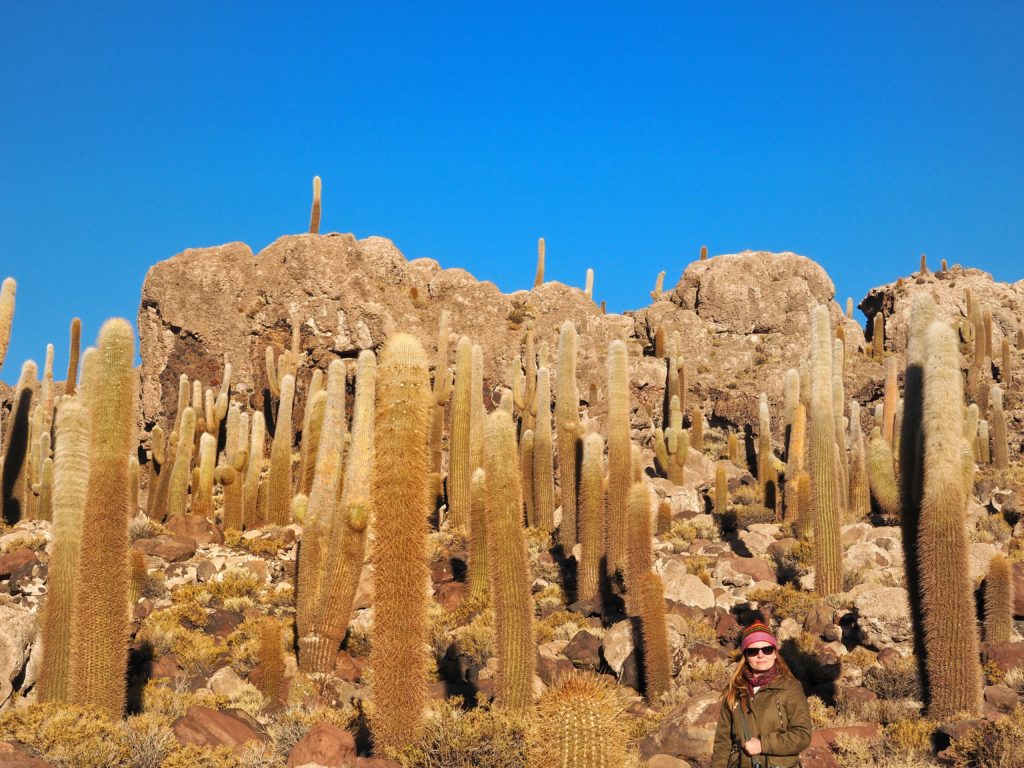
[(737, 687)]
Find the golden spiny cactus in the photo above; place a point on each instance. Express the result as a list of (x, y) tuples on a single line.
[(181, 472), (591, 516), (444, 380), (270, 657), (251, 487), (202, 492), (620, 454), (998, 600), (460, 469), (1000, 446), (70, 481), (579, 722), (538, 279), (100, 616), (314, 213), (347, 544), (15, 490), (312, 423), (860, 498), (526, 467), (892, 396), (947, 593), (317, 652), (825, 507), (721, 492), (697, 429), (509, 567), (878, 335), (569, 430), (280, 478), (7, 292), (543, 455), (882, 476), (477, 575), (401, 502)]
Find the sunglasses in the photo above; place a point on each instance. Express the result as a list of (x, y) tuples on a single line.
[(752, 652)]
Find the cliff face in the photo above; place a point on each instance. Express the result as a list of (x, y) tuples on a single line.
[(740, 320)]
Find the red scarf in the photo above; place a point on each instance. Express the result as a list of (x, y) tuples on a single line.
[(754, 680)]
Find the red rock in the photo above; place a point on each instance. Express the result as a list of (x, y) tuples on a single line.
[(551, 670), (450, 594), (15, 561), (165, 666), (1006, 655), (584, 650), (818, 619), (348, 668), (818, 757), (12, 757), (326, 745), (198, 529), (173, 550), (826, 737), (208, 727), (1018, 590), (1001, 698), (708, 653), (727, 628), (754, 567), (376, 762), (441, 571)]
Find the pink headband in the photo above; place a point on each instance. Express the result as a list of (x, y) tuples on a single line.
[(759, 637)]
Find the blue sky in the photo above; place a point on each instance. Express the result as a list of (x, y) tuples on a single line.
[(626, 135)]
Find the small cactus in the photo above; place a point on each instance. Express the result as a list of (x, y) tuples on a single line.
[(314, 213), (538, 279), (998, 600), (882, 476), (477, 575), (280, 477), (1000, 446), (580, 722), (7, 293)]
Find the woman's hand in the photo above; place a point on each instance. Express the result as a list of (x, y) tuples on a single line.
[(752, 746)]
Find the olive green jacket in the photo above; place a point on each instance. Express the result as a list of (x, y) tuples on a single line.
[(781, 720)]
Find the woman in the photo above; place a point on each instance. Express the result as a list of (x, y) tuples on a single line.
[(764, 722)]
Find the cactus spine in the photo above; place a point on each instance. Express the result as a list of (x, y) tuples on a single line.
[(579, 723), (569, 430), (460, 469), (543, 455), (100, 616), (477, 575), (7, 292), (1000, 447), (538, 279), (882, 476), (279, 498), (648, 594), (317, 652), (314, 213), (620, 454), (181, 472), (591, 516), (947, 593), (70, 481), (998, 600), (202, 492), (401, 503), (825, 507), (526, 465), (510, 574)]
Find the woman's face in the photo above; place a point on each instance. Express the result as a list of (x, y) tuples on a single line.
[(763, 659)]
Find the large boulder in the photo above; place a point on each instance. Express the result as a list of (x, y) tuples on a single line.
[(17, 633), (883, 615)]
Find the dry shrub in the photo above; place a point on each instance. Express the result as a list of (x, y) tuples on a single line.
[(142, 527), (65, 736), (559, 625), (289, 726), (994, 745), (896, 680), (786, 602), (477, 738)]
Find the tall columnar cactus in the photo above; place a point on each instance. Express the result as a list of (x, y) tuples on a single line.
[(317, 652), (1000, 446), (878, 335), (924, 264), (588, 285), (591, 516), (312, 423), (697, 429), (987, 320), (998, 600), (280, 478), (257, 453), (947, 593), (764, 443), (538, 279), (648, 594), (509, 567), (70, 481), (971, 429), (401, 504), (526, 467), (314, 213), (202, 493), (347, 543), (825, 506), (791, 390), (721, 492), (7, 292), (74, 351), (882, 476), (478, 576), (181, 472), (477, 412), (849, 306), (892, 395), (14, 490), (703, 253), (460, 469), (568, 433), (1006, 363), (444, 379), (270, 657), (579, 722), (100, 616), (860, 498), (543, 455), (620, 454), (984, 443)]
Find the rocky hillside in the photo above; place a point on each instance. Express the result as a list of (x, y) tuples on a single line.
[(220, 577)]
